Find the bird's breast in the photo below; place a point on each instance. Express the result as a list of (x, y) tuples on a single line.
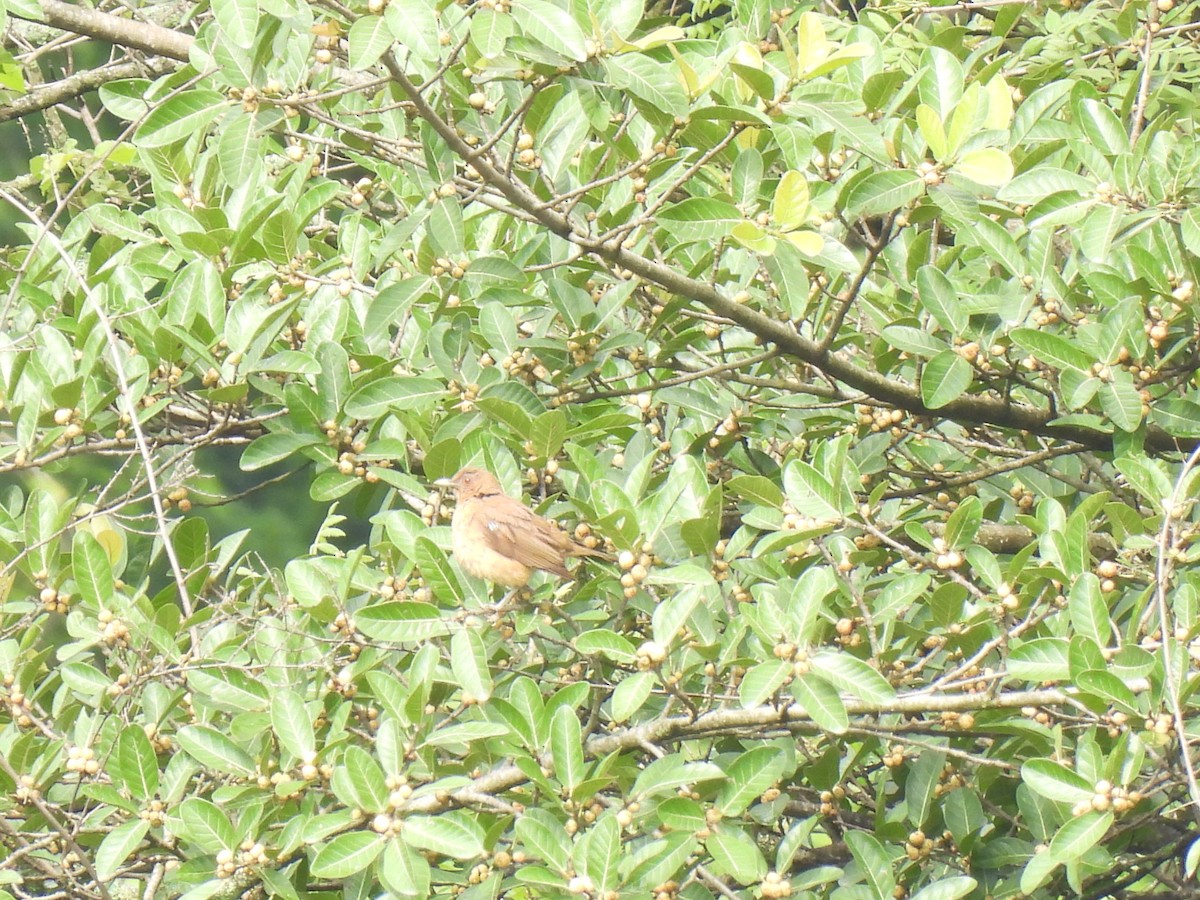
[(470, 542)]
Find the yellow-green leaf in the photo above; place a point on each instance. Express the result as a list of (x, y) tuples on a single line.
[(656, 38), (749, 57), (793, 62), (109, 535), (811, 45), (1000, 105), (807, 242), (839, 58), (989, 166), (688, 79), (966, 119), (932, 130), (753, 238), (790, 209)]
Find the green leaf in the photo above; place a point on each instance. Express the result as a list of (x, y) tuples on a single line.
[(752, 237), (939, 296), (882, 192), (347, 854), (239, 148), (1147, 477), (85, 679), (180, 117), (401, 622), (118, 845), (748, 776), (238, 21), (599, 850), (1192, 860), (1041, 659), (393, 301), (754, 78), (205, 825), (763, 680), (545, 836), (757, 489), (454, 834), (821, 701), (668, 773), (1055, 781), (1037, 871), (941, 80), (548, 432), (850, 674), (211, 748), (1089, 614), (1102, 127), (1111, 688), (661, 859), (630, 695), (944, 379), (358, 781), (920, 789), (469, 663), (404, 871), (490, 30), (735, 852), (1052, 349), (369, 38), (650, 81), (913, 340), (810, 492), (810, 243), (566, 747), (699, 219), (399, 392), (951, 887), (414, 25), (873, 861), (446, 229), (1079, 835), (293, 724), (604, 642), (999, 244), (1177, 416), (1040, 182), (552, 27), (136, 766), (498, 325), (436, 569), (92, 570), (273, 448), (1121, 402), (963, 524)]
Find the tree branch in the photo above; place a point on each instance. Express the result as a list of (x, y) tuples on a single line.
[(107, 27), (60, 91), (886, 388)]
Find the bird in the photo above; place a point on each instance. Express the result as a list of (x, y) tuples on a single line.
[(499, 539)]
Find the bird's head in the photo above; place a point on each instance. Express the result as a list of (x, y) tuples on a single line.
[(471, 482)]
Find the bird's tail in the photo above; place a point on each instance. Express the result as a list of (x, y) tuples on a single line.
[(583, 550)]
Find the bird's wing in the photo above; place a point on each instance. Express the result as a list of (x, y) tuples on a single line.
[(515, 531)]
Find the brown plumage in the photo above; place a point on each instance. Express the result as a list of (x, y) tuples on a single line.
[(500, 539)]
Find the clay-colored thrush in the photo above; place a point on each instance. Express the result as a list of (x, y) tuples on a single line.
[(500, 539)]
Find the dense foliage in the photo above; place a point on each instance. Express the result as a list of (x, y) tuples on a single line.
[(866, 343)]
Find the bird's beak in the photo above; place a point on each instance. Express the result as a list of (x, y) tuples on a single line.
[(444, 483)]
